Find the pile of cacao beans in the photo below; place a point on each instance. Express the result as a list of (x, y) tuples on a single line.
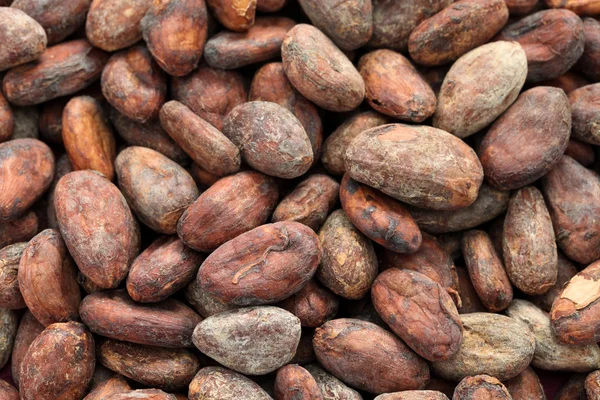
[(299, 199)]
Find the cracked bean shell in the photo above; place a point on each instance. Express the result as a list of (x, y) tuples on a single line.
[(320, 71), (252, 341), (158, 189), (47, 279), (528, 139), (97, 226), (571, 192), (168, 369), (262, 266), (494, 344), (270, 138), (231, 206), (349, 264), (26, 172), (553, 41), (394, 87), (386, 363), (217, 383), (479, 87), (235, 15), (424, 166), (59, 363), (455, 30), (419, 311)]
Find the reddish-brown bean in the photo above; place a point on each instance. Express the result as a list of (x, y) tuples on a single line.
[(294, 382), (313, 304), (115, 24)]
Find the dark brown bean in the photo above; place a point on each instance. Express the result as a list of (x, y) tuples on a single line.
[(20, 229), (313, 304)]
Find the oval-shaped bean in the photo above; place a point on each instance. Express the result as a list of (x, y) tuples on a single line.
[(88, 137), (10, 293), (553, 41), (116, 384), (293, 381), (262, 266), (571, 192), (24, 38), (479, 87), (165, 267), (320, 71), (455, 30), (61, 70), (97, 226), (26, 172), (493, 344), (232, 206), (542, 117), (403, 297), (270, 138), (134, 84), (59, 363), (331, 387), (217, 383), (585, 110), (313, 304), (589, 62), (115, 24), (158, 189), (425, 166), (114, 315), (29, 329), (525, 386), (386, 363), (235, 15), (169, 369), (269, 338), (481, 387)]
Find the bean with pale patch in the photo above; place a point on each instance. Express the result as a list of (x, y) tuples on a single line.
[(24, 38), (217, 383), (115, 24), (10, 294)]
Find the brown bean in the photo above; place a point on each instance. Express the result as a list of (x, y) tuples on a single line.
[(59, 19), (320, 71), (262, 42), (204, 143), (114, 315), (331, 387), (294, 382), (431, 260), (584, 7), (574, 389), (592, 385), (348, 24), (586, 113), (142, 394), (455, 30), (470, 301), (20, 229), (589, 62), (237, 16), (175, 32), (413, 395), (525, 386), (495, 344), (489, 204), (169, 369), (61, 70), (97, 226), (543, 119), (310, 202), (210, 92), (10, 294), (521, 7), (252, 341), (7, 119), (26, 171), (403, 297), (270, 5), (313, 304), (566, 188), (349, 264), (262, 266), (24, 38), (394, 21), (566, 270), (7, 391), (553, 41), (568, 82), (59, 363), (271, 84), (270, 138), (232, 206), (203, 302), (379, 217), (28, 330), (88, 136), (431, 169), (479, 387), (217, 383), (50, 123), (114, 385), (386, 363), (394, 87), (334, 148), (158, 189), (115, 24), (581, 152), (479, 87), (529, 245), (47, 279), (134, 84)]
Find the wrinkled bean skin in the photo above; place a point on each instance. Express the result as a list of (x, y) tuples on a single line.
[(217, 383), (293, 382)]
